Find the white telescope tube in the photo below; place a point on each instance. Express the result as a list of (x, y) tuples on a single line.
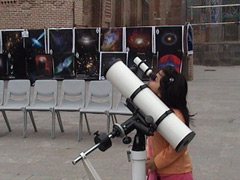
[(171, 127), (142, 66)]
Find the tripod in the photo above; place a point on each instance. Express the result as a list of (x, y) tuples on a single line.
[(144, 126)]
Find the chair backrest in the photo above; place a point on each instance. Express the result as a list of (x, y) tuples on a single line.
[(18, 90), (73, 92), (1, 91), (45, 90), (100, 91)]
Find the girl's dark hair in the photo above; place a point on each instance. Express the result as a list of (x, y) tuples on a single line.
[(173, 89)]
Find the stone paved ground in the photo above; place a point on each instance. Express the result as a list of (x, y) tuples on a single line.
[(214, 95)]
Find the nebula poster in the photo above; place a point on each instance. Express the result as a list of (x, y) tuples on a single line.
[(60, 41), (169, 46), (10, 39), (87, 53), (44, 66), (111, 39), (139, 42), (63, 65), (106, 57), (36, 42)]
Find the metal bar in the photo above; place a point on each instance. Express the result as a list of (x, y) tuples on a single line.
[(209, 6), (75, 161), (201, 24)]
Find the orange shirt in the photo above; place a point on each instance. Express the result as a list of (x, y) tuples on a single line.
[(167, 160)]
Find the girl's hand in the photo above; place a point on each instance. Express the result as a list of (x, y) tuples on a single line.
[(150, 164)]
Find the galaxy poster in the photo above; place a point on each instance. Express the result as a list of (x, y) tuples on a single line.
[(63, 65), (106, 57), (10, 39), (111, 39), (35, 43), (87, 40), (87, 53), (44, 66), (139, 43), (169, 46), (60, 41)]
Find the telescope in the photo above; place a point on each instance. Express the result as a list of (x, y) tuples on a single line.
[(149, 114), (145, 69)]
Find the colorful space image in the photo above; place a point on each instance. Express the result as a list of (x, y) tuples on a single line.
[(9, 40), (60, 41), (44, 66), (170, 59), (111, 39), (87, 66), (36, 41), (63, 65), (169, 39), (107, 57), (139, 39), (86, 40)]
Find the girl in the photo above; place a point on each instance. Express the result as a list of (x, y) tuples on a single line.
[(171, 87)]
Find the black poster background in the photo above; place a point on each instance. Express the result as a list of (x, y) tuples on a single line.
[(61, 41), (111, 39)]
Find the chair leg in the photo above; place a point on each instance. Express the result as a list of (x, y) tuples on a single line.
[(80, 128), (24, 122), (53, 123), (6, 120), (115, 117), (88, 127), (59, 121), (32, 119), (108, 123)]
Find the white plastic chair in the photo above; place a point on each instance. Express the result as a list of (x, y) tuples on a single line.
[(72, 99), (1, 104), (99, 100), (45, 99), (120, 108), (18, 97)]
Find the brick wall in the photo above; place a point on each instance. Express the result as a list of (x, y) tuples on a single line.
[(36, 14)]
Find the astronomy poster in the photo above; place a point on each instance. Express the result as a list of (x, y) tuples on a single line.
[(87, 53), (60, 40), (63, 65), (11, 39), (44, 66), (169, 46), (111, 39), (139, 42), (36, 42)]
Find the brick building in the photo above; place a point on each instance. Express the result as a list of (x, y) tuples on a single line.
[(214, 45)]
